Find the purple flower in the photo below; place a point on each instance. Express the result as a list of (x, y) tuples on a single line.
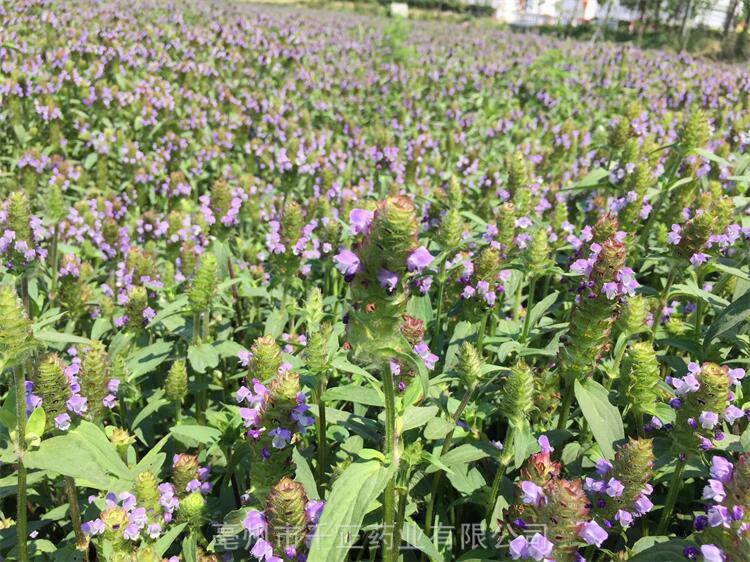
[(95, 527), (77, 404), (539, 547), (643, 505), (62, 421), (281, 437), (721, 468), (718, 515), (131, 532), (544, 444), (468, 292), (614, 488), (359, 221), (244, 356), (603, 466), (624, 517), (262, 550), (255, 523), (592, 533), (712, 553), (519, 548), (428, 358), (736, 375), (674, 237), (708, 419), (387, 279), (698, 259), (313, 510), (347, 262), (419, 259), (714, 490), (532, 494), (732, 413)]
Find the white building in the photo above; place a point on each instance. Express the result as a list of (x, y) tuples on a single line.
[(543, 12)]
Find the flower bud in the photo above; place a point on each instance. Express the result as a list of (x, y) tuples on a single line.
[(469, 366), (516, 396), (266, 358), (175, 387), (605, 228), (412, 329), (316, 350), (488, 265), (203, 286), (696, 130), (313, 310), (285, 513), (641, 378), (184, 469), (392, 236), (16, 334), (52, 387), (137, 303), (695, 234), (450, 230), (19, 214), (634, 315), (538, 258), (192, 510), (518, 174), (291, 224), (121, 440), (94, 378), (146, 488), (54, 203)]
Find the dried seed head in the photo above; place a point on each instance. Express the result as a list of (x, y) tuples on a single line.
[(285, 513)]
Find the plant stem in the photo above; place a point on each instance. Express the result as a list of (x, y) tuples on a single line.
[(23, 555), (75, 516), (390, 550), (439, 312), (322, 427), (443, 450), (504, 461), (53, 259), (177, 412), (480, 335), (529, 304), (674, 489), (567, 401)]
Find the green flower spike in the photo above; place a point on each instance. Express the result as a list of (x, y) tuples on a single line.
[(94, 378), (175, 387), (52, 387), (203, 286), (266, 358)]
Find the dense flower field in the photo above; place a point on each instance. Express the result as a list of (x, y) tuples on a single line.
[(284, 285)]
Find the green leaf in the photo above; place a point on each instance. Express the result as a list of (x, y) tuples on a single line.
[(304, 475), (731, 316), (193, 435), (166, 540), (659, 549), (35, 424), (416, 416), (202, 357), (351, 498), (60, 337), (146, 359), (538, 310), (414, 535), (603, 418), (85, 454), (591, 180), (355, 394)]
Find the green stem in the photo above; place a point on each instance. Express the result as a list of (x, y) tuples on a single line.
[(177, 412), (82, 543), (674, 490), (53, 260), (480, 335), (439, 312), (322, 427), (529, 304), (567, 402), (23, 555), (390, 549), (447, 442), (504, 461)]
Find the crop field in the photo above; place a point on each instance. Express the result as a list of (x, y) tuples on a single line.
[(287, 285)]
